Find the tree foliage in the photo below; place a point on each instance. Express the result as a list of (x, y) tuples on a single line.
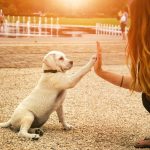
[(91, 8)]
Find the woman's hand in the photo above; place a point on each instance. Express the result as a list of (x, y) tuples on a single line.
[(98, 63)]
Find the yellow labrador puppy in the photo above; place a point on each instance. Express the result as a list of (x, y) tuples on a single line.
[(47, 96)]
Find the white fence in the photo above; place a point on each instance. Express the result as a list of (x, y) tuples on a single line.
[(36, 28), (29, 29), (108, 29)]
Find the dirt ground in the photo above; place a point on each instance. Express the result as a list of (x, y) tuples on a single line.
[(104, 117)]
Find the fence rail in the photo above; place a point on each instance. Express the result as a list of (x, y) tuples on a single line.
[(38, 29), (109, 29)]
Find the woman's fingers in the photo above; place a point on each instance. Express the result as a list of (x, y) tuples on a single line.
[(98, 64), (99, 51)]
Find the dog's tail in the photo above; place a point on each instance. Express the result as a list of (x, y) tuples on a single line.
[(5, 124)]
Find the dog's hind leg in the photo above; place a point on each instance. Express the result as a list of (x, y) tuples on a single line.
[(5, 124), (26, 123), (36, 131)]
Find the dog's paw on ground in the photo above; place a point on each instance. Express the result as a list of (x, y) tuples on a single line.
[(35, 137), (29, 136), (68, 127)]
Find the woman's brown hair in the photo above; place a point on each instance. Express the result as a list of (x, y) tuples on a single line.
[(138, 49)]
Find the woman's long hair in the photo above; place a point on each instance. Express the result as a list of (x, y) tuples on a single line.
[(138, 49)]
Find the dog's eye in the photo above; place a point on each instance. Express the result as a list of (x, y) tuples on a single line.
[(61, 58)]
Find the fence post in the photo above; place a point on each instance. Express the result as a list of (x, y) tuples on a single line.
[(34, 25), (45, 20), (51, 26), (57, 26), (17, 27), (39, 26)]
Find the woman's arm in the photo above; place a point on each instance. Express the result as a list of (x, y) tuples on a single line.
[(116, 79)]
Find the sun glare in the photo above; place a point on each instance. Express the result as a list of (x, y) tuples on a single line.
[(74, 4)]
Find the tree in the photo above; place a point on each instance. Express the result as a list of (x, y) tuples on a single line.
[(58, 7)]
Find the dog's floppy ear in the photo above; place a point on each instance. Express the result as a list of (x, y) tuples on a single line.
[(49, 61)]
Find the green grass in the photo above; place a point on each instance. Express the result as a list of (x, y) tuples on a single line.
[(88, 21), (70, 21)]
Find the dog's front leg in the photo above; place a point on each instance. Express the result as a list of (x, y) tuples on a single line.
[(60, 114), (74, 79), (66, 82)]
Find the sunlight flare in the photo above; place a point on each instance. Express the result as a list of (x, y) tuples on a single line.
[(74, 4)]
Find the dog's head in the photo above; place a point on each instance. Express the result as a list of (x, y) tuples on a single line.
[(56, 60)]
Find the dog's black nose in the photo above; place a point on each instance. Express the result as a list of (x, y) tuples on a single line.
[(71, 62)]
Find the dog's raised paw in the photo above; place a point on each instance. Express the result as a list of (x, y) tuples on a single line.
[(94, 57)]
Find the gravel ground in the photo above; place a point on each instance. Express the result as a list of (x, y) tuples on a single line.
[(29, 52), (104, 117)]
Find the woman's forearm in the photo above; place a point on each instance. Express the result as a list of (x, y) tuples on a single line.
[(118, 80)]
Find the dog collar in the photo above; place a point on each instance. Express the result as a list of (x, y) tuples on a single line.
[(50, 71)]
